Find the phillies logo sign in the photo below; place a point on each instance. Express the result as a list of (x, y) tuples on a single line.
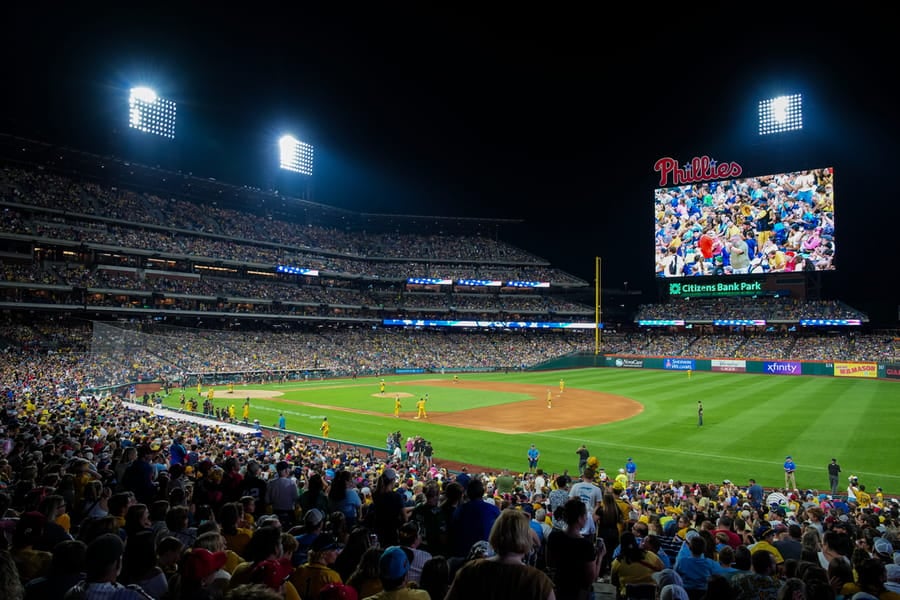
[(700, 168)]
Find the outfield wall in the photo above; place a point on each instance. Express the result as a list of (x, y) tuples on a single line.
[(855, 369)]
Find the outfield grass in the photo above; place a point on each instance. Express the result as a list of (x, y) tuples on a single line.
[(751, 422)]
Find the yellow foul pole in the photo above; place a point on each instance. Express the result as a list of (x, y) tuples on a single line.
[(597, 306)]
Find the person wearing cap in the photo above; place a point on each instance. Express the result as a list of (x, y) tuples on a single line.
[(765, 538), (274, 574), (393, 570), (790, 483), (338, 591), (103, 562), (197, 575), (388, 507), (630, 470), (310, 578)]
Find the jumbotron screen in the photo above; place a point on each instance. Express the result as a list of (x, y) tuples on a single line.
[(754, 225)]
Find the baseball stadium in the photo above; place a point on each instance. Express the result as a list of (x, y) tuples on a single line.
[(221, 331)]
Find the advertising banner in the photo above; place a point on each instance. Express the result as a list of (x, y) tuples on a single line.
[(729, 366), (679, 364), (855, 369), (629, 363), (892, 371), (783, 367)]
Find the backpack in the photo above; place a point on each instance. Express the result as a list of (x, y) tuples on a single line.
[(673, 265)]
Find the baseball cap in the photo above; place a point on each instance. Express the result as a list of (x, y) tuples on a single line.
[(200, 563), (338, 591), (323, 542), (883, 546), (667, 577), (762, 531), (389, 474), (272, 573), (313, 517), (394, 563)]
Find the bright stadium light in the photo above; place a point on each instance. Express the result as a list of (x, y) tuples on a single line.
[(295, 155), (784, 113), (149, 113)]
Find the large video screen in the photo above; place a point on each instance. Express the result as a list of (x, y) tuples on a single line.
[(754, 225)]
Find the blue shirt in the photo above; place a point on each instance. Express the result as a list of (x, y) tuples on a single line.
[(630, 467), (789, 466)]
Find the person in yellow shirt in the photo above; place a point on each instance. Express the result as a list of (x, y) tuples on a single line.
[(549, 398), (381, 387), (562, 385), (325, 427), (420, 409), (210, 394), (230, 387), (863, 498), (231, 412), (199, 388), (245, 413), (622, 478), (397, 406)]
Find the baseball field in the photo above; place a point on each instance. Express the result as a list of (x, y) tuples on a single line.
[(751, 422)]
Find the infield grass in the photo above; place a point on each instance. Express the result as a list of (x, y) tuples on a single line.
[(751, 423)]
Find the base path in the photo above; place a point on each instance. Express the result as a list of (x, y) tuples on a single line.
[(570, 409)]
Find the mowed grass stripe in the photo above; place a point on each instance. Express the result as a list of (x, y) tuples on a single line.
[(751, 422)]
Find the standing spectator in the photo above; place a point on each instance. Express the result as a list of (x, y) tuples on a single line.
[(834, 470), (571, 558), (790, 483), (139, 476), (472, 520), (504, 575), (590, 495), (343, 497), (388, 510), (282, 494), (755, 492)]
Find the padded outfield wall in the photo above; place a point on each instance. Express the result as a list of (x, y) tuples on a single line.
[(855, 369)]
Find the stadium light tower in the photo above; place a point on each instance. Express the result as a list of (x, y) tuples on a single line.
[(295, 155), (149, 113), (784, 113)]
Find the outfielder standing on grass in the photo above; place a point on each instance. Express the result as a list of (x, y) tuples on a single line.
[(699, 413), (325, 427), (397, 406)]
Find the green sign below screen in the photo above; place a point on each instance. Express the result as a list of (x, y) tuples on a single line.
[(722, 288)]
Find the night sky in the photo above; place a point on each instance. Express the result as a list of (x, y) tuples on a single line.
[(556, 119)]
